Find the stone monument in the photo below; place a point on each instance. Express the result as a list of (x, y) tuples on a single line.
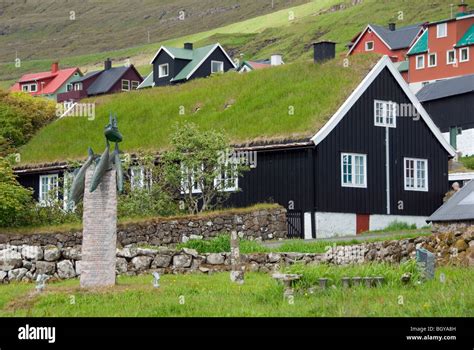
[(97, 182), (237, 270), (426, 262)]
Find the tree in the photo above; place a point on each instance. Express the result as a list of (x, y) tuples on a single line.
[(15, 200), (199, 169)]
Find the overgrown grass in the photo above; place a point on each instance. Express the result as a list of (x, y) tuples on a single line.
[(260, 112), (215, 295), (468, 162)]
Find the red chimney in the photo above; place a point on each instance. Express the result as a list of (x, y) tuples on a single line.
[(54, 67), (462, 7)]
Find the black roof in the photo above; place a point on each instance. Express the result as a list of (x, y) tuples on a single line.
[(460, 207), (107, 78), (399, 38), (445, 88)]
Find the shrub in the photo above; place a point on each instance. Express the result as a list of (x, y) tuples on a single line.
[(468, 162), (399, 226)]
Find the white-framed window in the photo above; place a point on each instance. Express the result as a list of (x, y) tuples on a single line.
[(432, 60), (217, 66), (140, 178), (416, 174), (25, 88), (354, 170), (385, 113), (33, 87), (186, 178), (125, 85), (163, 70), (135, 84), (442, 30), (228, 179), (451, 57), (69, 87), (420, 62), (369, 46), (464, 54), (77, 86), (48, 189)]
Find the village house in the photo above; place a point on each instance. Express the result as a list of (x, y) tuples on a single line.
[(250, 65), (48, 84), (177, 65)]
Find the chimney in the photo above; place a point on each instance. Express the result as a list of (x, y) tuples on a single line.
[(324, 50), (392, 26), (107, 64), (276, 60), (54, 67), (188, 46), (462, 7)]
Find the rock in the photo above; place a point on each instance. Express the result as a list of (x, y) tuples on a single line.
[(161, 261), (215, 259), (30, 252), (3, 274), (295, 256), (17, 274), (274, 257), (129, 252), (204, 269), (72, 253), (78, 267), (468, 259), (121, 265), (45, 267), (66, 269), (406, 277), (461, 245), (182, 260), (141, 263), (192, 252), (27, 264), (51, 253), (196, 237), (10, 259)]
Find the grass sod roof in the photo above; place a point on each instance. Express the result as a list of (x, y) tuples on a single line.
[(261, 102)]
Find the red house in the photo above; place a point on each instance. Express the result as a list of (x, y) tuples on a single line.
[(47, 84), (444, 50), (106, 81), (392, 41)]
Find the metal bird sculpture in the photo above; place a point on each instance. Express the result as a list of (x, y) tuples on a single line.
[(78, 184), (101, 168)]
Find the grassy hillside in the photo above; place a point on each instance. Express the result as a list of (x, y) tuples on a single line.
[(140, 52), (260, 105)]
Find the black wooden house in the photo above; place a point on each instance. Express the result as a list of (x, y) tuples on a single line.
[(378, 159)]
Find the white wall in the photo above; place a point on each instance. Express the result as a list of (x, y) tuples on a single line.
[(307, 226), (335, 224), (379, 222), (465, 141)]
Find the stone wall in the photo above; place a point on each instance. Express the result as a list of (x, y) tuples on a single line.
[(262, 224), (26, 262)]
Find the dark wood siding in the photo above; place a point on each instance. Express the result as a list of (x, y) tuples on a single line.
[(356, 133), (32, 181), (163, 58), (452, 111), (205, 69), (280, 177)]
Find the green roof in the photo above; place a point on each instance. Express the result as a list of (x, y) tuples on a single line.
[(148, 82), (468, 38), (197, 55), (421, 45), (180, 53), (402, 66)]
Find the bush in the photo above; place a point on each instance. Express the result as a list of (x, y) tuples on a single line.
[(144, 203), (221, 244), (399, 226), (468, 162)]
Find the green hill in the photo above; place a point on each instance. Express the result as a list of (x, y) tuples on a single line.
[(253, 106)]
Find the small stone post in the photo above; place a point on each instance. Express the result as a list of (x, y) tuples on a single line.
[(99, 239), (237, 272)]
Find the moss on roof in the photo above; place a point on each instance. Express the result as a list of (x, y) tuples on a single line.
[(292, 101)]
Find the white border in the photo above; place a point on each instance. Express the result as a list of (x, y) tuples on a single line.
[(436, 59), (221, 62), (357, 93), (364, 185), (373, 46), (168, 70), (460, 55), (447, 57), (158, 52), (416, 61), (415, 170), (205, 58)]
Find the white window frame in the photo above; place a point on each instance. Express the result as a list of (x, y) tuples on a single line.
[(435, 60), (412, 183), (184, 181), (447, 57), (387, 107), (140, 178), (134, 84), (35, 87), (77, 86), (51, 183), (418, 66), (69, 87), (461, 50), (221, 63), (125, 87), (367, 44), (354, 174), (160, 70), (438, 31), (25, 88), (230, 180)]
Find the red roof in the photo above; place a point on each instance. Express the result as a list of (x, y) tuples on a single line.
[(258, 65), (51, 81)]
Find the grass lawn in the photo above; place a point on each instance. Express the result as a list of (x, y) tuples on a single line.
[(215, 295)]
